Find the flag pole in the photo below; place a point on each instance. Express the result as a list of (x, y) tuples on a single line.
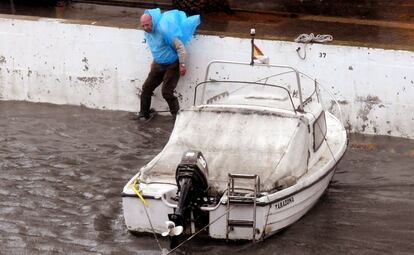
[(13, 10), (252, 34)]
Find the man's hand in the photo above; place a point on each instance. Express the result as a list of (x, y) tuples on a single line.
[(183, 70)]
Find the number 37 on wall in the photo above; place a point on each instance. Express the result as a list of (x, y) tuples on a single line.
[(322, 54)]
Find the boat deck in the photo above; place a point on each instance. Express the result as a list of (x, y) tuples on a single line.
[(387, 25)]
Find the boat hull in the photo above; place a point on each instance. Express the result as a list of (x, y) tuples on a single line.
[(139, 218), (271, 217)]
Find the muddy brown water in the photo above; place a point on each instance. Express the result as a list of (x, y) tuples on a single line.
[(62, 170)]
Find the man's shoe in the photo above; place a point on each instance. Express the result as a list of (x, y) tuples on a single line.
[(147, 117), (144, 116), (134, 116)]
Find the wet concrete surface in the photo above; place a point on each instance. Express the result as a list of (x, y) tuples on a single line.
[(377, 24), (398, 10), (62, 170)]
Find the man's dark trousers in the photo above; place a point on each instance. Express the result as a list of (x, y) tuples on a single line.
[(168, 75)]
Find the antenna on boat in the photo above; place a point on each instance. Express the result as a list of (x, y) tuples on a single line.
[(252, 34)]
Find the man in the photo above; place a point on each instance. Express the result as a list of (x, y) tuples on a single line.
[(166, 68)]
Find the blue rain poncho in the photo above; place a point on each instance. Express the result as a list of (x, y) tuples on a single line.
[(165, 27)]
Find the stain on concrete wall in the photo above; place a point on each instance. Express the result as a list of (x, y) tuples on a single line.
[(86, 64), (2, 60), (92, 82), (368, 103)]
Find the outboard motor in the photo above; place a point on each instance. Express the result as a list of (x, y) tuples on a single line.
[(192, 186)]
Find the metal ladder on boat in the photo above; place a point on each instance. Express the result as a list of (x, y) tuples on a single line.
[(237, 196)]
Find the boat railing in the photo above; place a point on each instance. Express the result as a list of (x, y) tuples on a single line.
[(303, 99), (320, 85), (291, 70)]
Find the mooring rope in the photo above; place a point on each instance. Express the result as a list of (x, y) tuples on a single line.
[(309, 38), (196, 233), (145, 204), (153, 231)]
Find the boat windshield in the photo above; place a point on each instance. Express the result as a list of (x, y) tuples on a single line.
[(243, 93)]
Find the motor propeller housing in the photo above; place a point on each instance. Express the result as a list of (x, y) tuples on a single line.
[(192, 186), (172, 230)]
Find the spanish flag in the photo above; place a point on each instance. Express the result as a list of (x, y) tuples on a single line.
[(256, 52), (259, 56)]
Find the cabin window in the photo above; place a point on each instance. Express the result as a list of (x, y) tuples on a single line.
[(319, 131)]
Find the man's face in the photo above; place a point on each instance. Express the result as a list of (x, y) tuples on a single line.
[(146, 23)]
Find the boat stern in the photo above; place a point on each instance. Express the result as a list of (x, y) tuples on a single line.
[(146, 208)]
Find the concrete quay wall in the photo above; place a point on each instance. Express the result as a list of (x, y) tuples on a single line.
[(69, 62)]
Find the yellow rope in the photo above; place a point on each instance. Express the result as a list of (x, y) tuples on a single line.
[(137, 192), (146, 212)]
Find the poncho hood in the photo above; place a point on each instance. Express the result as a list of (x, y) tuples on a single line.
[(173, 24), (155, 15)]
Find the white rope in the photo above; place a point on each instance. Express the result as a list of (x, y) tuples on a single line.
[(308, 38)]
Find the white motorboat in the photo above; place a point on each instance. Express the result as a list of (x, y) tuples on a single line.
[(248, 159)]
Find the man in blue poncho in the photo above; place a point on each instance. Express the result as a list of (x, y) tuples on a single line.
[(166, 35)]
